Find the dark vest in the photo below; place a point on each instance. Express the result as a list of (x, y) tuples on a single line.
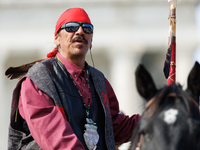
[(52, 78)]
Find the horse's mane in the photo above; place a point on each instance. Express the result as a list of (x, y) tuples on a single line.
[(160, 98)]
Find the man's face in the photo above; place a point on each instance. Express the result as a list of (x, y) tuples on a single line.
[(73, 44)]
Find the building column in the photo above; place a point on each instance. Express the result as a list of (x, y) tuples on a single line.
[(123, 68)]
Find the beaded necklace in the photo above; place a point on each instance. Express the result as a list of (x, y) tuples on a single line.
[(87, 108), (91, 135)]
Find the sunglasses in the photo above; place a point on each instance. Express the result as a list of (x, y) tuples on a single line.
[(74, 26)]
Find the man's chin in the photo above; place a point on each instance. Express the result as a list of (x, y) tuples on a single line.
[(79, 46)]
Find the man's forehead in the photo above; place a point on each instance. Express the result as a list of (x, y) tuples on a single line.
[(72, 15)]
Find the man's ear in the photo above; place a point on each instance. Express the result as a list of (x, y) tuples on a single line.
[(57, 40)]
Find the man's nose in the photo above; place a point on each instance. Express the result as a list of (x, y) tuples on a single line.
[(80, 30)]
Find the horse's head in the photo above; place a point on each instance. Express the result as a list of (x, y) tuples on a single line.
[(171, 120)]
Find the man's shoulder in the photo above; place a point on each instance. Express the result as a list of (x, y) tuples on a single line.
[(37, 68), (39, 72), (41, 76)]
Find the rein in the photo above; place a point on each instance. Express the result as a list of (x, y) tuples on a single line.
[(150, 102)]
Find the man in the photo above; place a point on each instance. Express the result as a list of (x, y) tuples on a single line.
[(63, 103)]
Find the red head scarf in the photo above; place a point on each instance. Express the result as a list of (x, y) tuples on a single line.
[(70, 15)]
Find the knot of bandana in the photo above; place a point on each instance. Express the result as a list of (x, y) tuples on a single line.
[(53, 53)]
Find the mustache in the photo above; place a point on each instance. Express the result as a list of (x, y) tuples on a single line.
[(79, 37)]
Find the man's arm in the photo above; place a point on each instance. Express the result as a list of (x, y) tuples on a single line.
[(123, 125), (45, 121)]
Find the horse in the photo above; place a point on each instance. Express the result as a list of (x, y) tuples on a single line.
[(171, 119)]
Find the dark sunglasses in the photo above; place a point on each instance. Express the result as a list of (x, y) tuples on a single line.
[(74, 26)]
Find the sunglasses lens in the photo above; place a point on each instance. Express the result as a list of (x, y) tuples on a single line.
[(74, 26), (71, 27), (87, 28)]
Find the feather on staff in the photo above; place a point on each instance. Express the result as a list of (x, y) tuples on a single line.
[(20, 71)]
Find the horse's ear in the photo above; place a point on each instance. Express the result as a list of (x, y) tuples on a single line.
[(193, 82), (144, 83)]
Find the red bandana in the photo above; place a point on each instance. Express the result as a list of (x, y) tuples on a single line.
[(72, 15)]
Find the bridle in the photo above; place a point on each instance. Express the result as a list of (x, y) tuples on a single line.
[(173, 94), (139, 143)]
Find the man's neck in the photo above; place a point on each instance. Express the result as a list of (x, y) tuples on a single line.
[(79, 63), (77, 60)]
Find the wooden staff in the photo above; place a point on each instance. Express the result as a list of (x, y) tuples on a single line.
[(170, 62)]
